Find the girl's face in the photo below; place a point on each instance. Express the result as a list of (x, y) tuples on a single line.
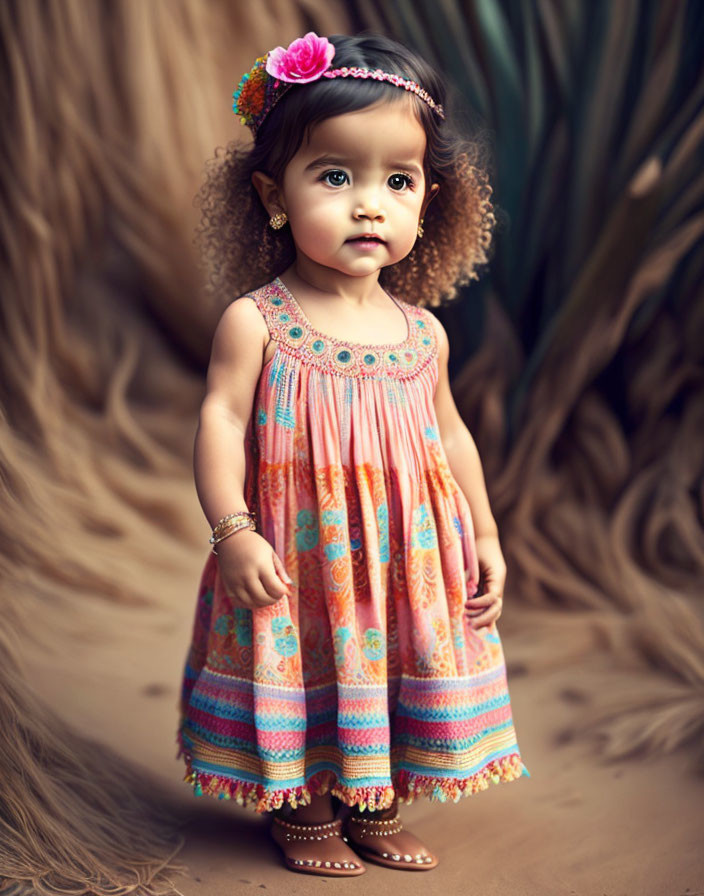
[(355, 193)]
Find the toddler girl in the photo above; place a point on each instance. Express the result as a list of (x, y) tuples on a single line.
[(343, 655)]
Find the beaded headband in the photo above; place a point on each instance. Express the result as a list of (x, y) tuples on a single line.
[(306, 59)]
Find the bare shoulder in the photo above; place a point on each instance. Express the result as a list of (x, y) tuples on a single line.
[(241, 328), (236, 358)]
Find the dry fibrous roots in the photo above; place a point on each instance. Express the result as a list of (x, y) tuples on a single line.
[(75, 817)]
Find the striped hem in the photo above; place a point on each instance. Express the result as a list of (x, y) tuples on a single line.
[(406, 784)]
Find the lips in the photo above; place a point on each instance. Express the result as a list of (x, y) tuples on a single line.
[(367, 238)]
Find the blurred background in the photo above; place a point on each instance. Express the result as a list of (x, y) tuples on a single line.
[(577, 364)]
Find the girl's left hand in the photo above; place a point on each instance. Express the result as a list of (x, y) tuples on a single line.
[(485, 608)]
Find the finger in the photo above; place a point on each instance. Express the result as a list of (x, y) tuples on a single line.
[(272, 586), (481, 600), (485, 618), (259, 596), (281, 569)]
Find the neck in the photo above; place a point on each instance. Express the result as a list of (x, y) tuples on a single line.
[(305, 272)]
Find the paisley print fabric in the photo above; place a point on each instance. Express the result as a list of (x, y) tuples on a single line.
[(367, 682)]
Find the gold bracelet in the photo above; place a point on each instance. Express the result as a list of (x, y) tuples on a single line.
[(235, 527), (237, 515), (232, 516)]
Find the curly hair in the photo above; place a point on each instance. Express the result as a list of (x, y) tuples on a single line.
[(240, 251)]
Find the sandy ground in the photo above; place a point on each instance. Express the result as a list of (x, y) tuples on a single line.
[(577, 826)]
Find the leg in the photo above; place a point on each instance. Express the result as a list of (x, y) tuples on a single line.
[(312, 842), (381, 838)]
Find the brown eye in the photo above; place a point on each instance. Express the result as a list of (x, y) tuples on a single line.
[(399, 181)]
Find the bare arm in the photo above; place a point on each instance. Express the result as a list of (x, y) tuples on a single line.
[(251, 570), (233, 373), (465, 464), (460, 448)]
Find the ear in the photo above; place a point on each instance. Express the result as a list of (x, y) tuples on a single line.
[(268, 192), (429, 196)]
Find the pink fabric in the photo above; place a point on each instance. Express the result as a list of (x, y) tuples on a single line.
[(369, 680)]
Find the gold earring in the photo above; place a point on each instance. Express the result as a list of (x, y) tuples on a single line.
[(277, 221), (420, 228)]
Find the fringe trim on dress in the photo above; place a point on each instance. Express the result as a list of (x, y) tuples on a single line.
[(406, 785)]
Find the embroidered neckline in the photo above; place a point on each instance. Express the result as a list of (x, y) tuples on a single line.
[(369, 345), (296, 336)]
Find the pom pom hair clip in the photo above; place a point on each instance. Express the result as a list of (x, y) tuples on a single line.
[(306, 59)]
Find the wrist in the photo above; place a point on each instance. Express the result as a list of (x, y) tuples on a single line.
[(233, 522), (487, 535), (229, 542)]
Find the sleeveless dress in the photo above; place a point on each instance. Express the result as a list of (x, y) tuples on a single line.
[(367, 682)]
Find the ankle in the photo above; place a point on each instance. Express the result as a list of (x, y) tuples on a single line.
[(319, 810)]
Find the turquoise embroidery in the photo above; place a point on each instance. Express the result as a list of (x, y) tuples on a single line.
[(276, 372), (289, 327), (306, 530), (240, 625), (286, 643), (335, 517), (223, 625), (457, 522), (261, 418), (374, 644), (457, 634), (431, 432), (339, 640), (243, 626), (285, 417), (382, 521), (423, 532), (285, 395), (335, 549)]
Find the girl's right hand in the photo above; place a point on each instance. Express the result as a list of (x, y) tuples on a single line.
[(251, 571)]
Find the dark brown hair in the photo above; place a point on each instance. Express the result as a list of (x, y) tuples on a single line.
[(241, 251)]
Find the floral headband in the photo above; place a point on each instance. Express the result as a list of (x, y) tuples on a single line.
[(306, 59)]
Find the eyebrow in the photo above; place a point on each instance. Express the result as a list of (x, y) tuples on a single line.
[(325, 161)]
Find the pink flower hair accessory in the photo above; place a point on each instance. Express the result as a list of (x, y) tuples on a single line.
[(305, 60)]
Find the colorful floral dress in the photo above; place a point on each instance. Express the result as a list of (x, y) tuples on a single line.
[(368, 681)]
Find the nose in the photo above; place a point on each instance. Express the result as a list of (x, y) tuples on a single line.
[(369, 207)]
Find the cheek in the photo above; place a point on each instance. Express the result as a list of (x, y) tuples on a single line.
[(318, 219), (407, 217)]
